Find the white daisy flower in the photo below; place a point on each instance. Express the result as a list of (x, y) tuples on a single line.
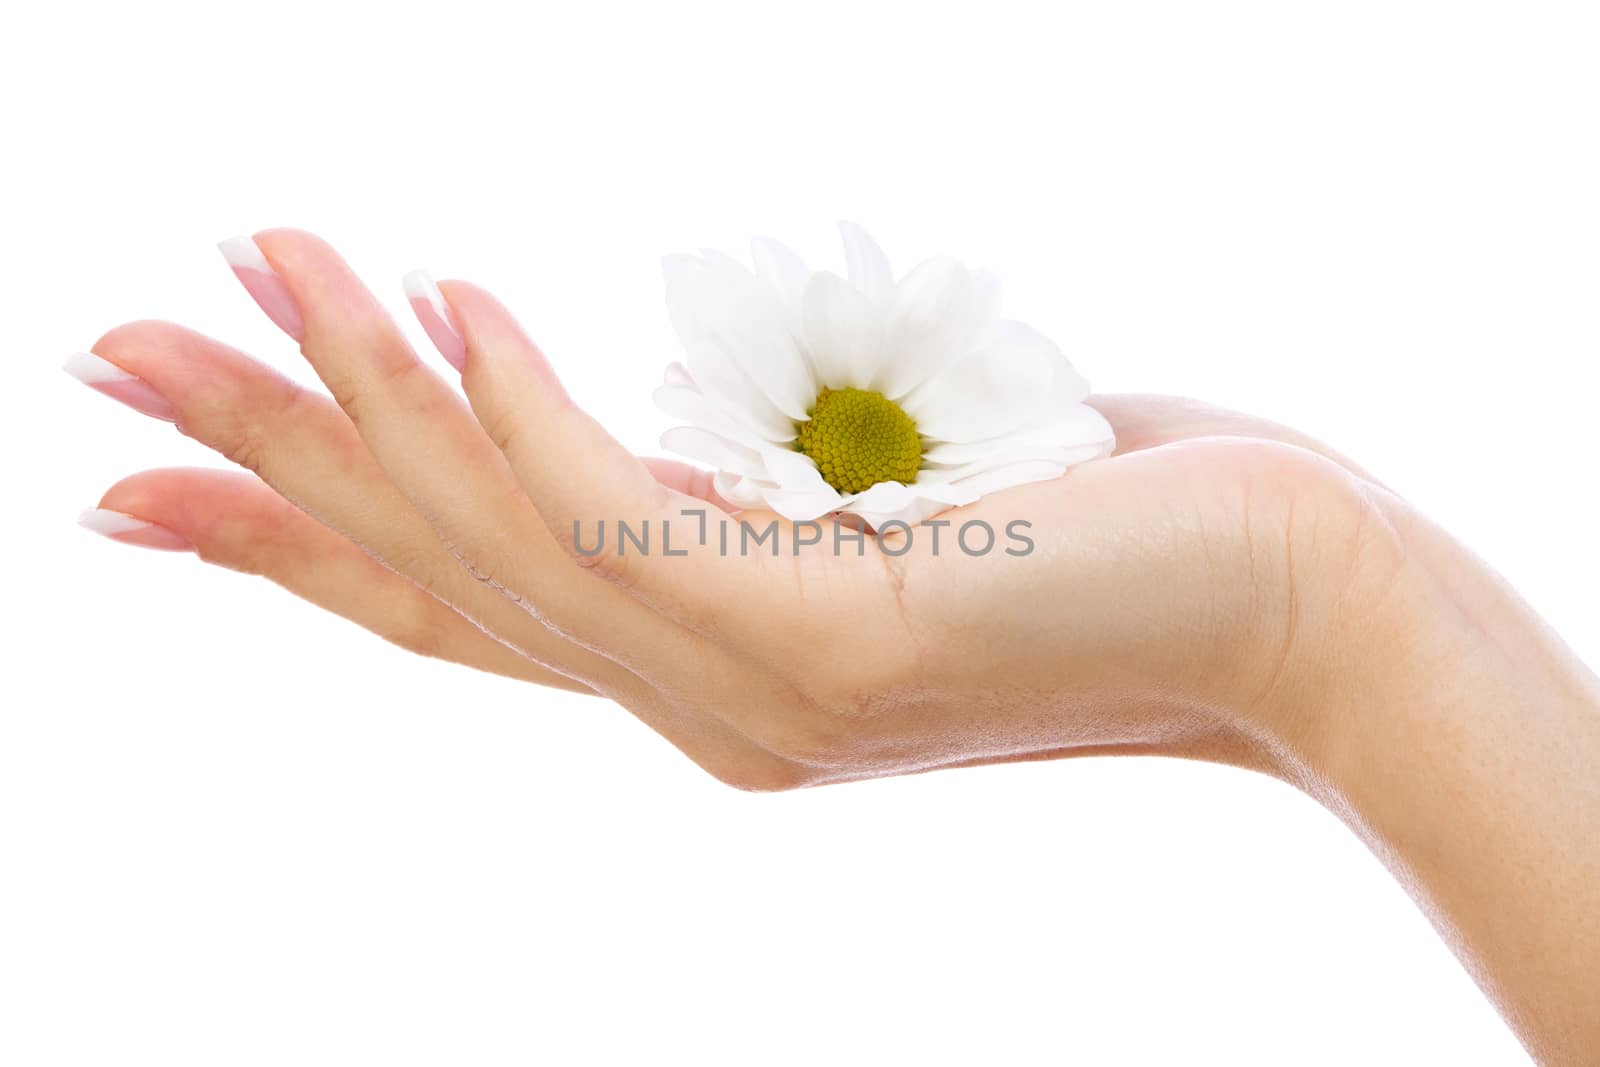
[(890, 400)]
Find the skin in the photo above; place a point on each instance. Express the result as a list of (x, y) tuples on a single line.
[(1223, 588)]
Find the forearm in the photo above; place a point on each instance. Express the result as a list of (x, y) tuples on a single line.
[(1461, 741)]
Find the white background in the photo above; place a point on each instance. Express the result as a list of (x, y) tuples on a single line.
[(233, 830)]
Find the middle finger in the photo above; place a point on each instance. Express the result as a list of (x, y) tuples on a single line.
[(429, 446)]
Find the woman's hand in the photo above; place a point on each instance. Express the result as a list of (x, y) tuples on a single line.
[(1221, 588), (1150, 600)]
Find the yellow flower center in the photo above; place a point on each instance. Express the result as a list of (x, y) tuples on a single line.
[(859, 438)]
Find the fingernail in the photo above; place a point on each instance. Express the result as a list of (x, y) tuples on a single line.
[(436, 317), (132, 531), (108, 378), (258, 279)]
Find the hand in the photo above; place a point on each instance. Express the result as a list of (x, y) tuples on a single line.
[(1221, 588), (1169, 567)]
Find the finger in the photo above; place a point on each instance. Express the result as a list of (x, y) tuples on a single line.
[(577, 475), (304, 447), (429, 446), (574, 471), (1149, 421), (232, 520), (689, 480), (431, 450)]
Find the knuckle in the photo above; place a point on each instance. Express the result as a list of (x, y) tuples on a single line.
[(603, 559), (444, 580), (695, 614), (388, 379), (398, 370), (246, 430), (418, 631), (484, 570), (504, 428), (504, 579), (414, 557), (248, 547), (248, 445), (607, 565), (350, 397), (243, 559)]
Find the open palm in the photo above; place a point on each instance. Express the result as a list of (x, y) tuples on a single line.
[(1137, 602)]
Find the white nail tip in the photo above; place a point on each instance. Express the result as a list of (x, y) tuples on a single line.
[(90, 369), (242, 252), (111, 523), (419, 285)]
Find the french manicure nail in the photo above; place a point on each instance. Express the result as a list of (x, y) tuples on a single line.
[(132, 531), (108, 378), (438, 321), (259, 280)]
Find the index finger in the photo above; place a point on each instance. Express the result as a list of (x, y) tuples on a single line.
[(680, 554)]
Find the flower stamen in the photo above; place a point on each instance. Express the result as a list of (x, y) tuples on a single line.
[(858, 438)]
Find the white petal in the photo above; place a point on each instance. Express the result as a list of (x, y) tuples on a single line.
[(726, 265), (885, 496), (707, 447), (866, 266), (1012, 475), (722, 314), (737, 490), (694, 297), (843, 333), (986, 286), (802, 506), (917, 504), (991, 471), (951, 475), (998, 404), (1069, 386), (1061, 456), (677, 376), (990, 392), (782, 269), (1079, 426), (936, 315), (699, 410), (722, 382), (689, 291), (918, 511), (792, 471)]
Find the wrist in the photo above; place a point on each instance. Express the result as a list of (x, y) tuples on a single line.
[(1327, 595), (1418, 641), (1456, 735)]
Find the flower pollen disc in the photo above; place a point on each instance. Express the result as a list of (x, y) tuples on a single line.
[(859, 438), (887, 398)]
